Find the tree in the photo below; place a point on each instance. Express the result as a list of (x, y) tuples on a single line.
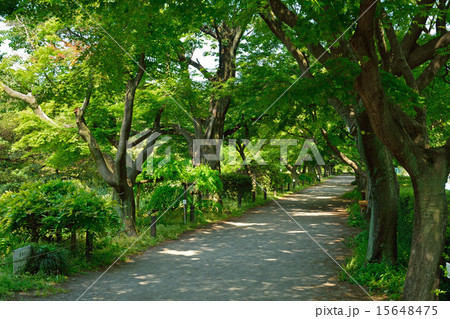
[(287, 25), (416, 58), (55, 38), (227, 29)]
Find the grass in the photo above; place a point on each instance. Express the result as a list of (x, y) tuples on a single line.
[(40, 285), (383, 277)]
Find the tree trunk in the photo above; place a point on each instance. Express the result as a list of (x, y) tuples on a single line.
[(73, 241), (383, 196), (428, 238), (89, 245), (138, 196), (319, 172), (128, 210)]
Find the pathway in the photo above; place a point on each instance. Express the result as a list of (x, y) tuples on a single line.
[(263, 255)]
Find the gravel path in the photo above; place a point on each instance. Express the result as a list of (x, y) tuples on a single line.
[(263, 255)]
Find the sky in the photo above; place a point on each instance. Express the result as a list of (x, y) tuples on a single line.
[(4, 48), (207, 61)]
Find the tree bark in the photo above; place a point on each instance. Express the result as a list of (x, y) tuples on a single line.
[(383, 195), (128, 209), (428, 238), (408, 141)]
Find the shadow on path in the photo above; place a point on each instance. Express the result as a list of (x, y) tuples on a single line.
[(263, 255)]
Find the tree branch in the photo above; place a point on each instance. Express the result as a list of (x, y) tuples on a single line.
[(104, 163), (30, 100), (398, 55), (416, 28), (427, 51), (197, 65), (209, 31), (431, 70), (283, 13), (277, 29), (132, 84), (341, 155)]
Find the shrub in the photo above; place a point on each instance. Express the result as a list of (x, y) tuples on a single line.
[(47, 259), (235, 183), (45, 210)]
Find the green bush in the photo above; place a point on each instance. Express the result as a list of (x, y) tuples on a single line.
[(355, 194), (47, 259), (47, 211), (169, 184), (306, 178), (235, 183), (84, 210)]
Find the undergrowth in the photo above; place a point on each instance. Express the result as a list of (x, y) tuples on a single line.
[(383, 277)]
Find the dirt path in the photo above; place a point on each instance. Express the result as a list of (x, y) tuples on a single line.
[(263, 255)]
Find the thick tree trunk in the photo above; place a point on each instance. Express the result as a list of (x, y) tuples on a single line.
[(128, 210), (383, 195), (428, 238), (408, 140)]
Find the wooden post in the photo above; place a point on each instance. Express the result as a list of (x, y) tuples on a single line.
[(192, 213), (289, 186), (185, 203), (265, 193), (253, 196), (153, 220)]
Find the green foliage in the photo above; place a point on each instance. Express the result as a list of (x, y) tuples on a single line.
[(306, 178), (84, 210), (383, 277), (45, 210), (235, 183), (171, 179), (48, 259), (355, 195), (355, 218), (164, 196)]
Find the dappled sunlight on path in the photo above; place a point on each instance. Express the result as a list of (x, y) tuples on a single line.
[(263, 255)]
